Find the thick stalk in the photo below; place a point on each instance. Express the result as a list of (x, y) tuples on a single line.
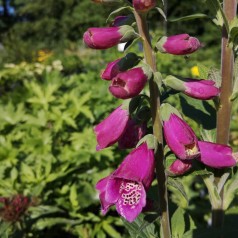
[(157, 126), (224, 111)]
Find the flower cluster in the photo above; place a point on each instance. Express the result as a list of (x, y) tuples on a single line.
[(126, 187)]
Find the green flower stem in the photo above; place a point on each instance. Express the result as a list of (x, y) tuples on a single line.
[(224, 111), (157, 126)]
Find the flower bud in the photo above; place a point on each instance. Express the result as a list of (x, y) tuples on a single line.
[(182, 44), (132, 134), (143, 5), (179, 167), (120, 65), (111, 70), (180, 138), (200, 89), (107, 37), (216, 155), (128, 84), (110, 129)]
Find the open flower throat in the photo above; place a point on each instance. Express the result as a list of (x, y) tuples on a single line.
[(192, 150)]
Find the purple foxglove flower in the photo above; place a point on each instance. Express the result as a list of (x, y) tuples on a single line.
[(216, 155), (111, 70), (143, 5), (179, 167), (200, 89), (182, 44), (126, 187), (106, 37), (128, 84), (180, 138), (132, 134), (110, 129)]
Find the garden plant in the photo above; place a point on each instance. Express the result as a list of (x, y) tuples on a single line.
[(150, 123)]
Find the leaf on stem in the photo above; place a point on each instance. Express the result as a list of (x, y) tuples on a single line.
[(189, 17), (121, 10)]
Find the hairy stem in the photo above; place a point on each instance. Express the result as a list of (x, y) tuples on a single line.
[(224, 111), (157, 126)]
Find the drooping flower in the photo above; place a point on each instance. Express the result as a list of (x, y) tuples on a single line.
[(143, 5), (132, 134), (110, 129), (182, 44), (106, 37), (123, 20), (180, 138), (179, 167), (195, 88), (128, 84), (126, 187), (216, 155)]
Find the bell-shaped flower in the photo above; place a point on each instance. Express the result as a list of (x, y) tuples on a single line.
[(180, 138), (123, 20), (132, 134), (106, 37), (143, 5), (110, 129), (126, 187), (182, 44), (179, 167), (195, 88), (128, 84), (216, 155)]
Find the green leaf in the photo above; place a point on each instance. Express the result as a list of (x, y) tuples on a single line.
[(235, 87), (119, 11), (110, 230), (129, 44), (177, 185), (73, 197), (203, 71), (231, 189), (189, 17), (178, 223), (161, 13), (233, 36), (144, 226), (217, 10)]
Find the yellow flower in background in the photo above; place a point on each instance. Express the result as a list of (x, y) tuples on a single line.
[(42, 55), (195, 71)]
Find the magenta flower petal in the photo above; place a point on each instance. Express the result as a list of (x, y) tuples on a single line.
[(111, 70), (101, 186), (128, 84), (131, 201), (216, 155), (179, 167), (178, 44), (201, 89), (180, 138), (110, 129), (132, 134), (106, 37), (126, 187)]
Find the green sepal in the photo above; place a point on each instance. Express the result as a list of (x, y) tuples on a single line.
[(166, 110), (150, 140), (128, 33), (175, 83), (160, 43)]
